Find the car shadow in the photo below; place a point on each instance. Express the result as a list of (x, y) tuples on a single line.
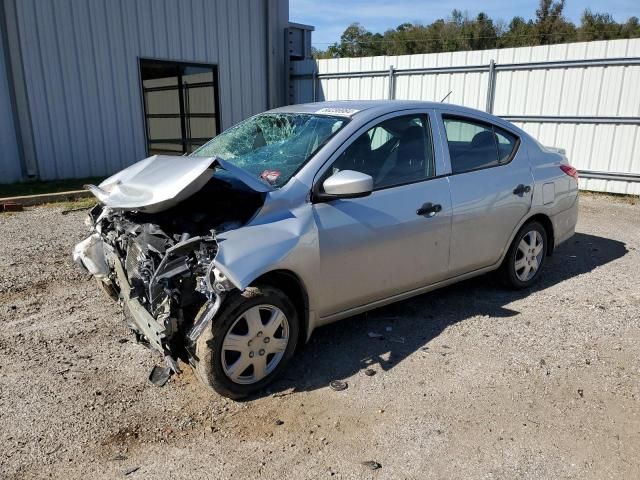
[(382, 338)]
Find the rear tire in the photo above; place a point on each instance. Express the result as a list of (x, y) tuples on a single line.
[(524, 260), (242, 333)]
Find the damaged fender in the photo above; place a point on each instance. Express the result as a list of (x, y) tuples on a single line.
[(245, 254)]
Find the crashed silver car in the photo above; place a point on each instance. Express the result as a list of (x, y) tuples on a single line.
[(230, 257)]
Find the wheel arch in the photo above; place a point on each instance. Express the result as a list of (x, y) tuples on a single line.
[(547, 224), (293, 286)]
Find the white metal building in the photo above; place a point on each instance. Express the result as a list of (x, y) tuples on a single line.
[(89, 87), (583, 97)]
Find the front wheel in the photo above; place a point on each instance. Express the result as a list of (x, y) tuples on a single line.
[(523, 263), (249, 343)]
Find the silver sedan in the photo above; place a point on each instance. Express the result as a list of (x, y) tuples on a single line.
[(230, 257)]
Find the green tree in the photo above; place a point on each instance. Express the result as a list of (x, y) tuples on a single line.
[(630, 29), (597, 26), (550, 26), (460, 32), (519, 33)]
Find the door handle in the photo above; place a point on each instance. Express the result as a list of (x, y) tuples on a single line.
[(429, 209), (521, 189)]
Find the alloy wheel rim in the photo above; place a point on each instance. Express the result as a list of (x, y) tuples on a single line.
[(529, 255), (255, 344)]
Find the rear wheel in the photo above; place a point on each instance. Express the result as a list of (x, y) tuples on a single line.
[(250, 342), (523, 263)]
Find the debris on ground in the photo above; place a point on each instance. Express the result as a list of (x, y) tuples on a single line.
[(369, 372), (338, 385), (51, 452), (372, 465), (159, 376), (279, 422), (131, 470), (397, 339), (284, 394)]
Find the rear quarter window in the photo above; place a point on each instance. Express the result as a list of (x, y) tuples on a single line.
[(507, 143)]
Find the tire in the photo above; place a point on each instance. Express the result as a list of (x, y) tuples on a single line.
[(523, 263), (216, 360)]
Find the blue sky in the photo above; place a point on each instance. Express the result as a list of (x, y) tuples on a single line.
[(331, 17)]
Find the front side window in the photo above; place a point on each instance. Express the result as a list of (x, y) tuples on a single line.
[(394, 152), (474, 145), (273, 146)]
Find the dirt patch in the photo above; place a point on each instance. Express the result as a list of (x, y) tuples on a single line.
[(471, 381)]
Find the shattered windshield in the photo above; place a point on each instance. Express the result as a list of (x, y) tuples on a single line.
[(273, 146)]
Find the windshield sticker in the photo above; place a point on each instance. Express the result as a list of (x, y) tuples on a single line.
[(270, 176), (343, 112)]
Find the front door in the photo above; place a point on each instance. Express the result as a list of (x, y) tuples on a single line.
[(491, 189), (378, 246)]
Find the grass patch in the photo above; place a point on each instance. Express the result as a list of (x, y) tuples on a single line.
[(79, 204), (54, 186)]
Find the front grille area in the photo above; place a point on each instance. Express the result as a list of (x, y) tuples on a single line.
[(135, 257)]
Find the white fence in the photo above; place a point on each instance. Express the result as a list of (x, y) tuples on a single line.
[(583, 97)]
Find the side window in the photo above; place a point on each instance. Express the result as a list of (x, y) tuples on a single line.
[(471, 145), (507, 143), (474, 145), (394, 152)]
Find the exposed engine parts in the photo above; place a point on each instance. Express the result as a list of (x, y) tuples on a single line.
[(169, 274)]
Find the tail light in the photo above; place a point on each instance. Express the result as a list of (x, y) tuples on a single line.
[(569, 170)]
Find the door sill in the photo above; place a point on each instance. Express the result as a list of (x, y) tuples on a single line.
[(402, 296)]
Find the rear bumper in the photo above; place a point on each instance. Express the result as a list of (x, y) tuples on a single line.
[(564, 223)]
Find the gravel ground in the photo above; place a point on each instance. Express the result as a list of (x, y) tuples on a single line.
[(471, 381)]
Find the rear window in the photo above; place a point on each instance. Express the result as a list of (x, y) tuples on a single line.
[(474, 145)]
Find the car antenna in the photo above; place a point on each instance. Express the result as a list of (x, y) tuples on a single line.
[(446, 96)]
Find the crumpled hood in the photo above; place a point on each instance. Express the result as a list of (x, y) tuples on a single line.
[(162, 181)]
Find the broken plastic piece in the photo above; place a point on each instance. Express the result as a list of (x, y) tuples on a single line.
[(159, 376), (372, 465)]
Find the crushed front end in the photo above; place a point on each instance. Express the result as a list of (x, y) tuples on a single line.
[(153, 242), (165, 281)]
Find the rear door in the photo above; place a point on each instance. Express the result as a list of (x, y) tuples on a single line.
[(491, 189)]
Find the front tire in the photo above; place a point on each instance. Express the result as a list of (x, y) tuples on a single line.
[(525, 258), (250, 342)]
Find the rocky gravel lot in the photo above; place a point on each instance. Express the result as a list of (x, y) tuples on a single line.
[(470, 382)]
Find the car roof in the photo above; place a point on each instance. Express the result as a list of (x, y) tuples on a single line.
[(357, 107), (365, 110)]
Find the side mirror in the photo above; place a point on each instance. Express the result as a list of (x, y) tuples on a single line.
[(346, 184)]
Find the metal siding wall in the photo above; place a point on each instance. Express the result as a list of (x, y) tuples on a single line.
[(610, 91), (10, 169), (594, 91), (82, 74)]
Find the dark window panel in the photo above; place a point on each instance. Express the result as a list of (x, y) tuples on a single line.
[(180, 103)]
